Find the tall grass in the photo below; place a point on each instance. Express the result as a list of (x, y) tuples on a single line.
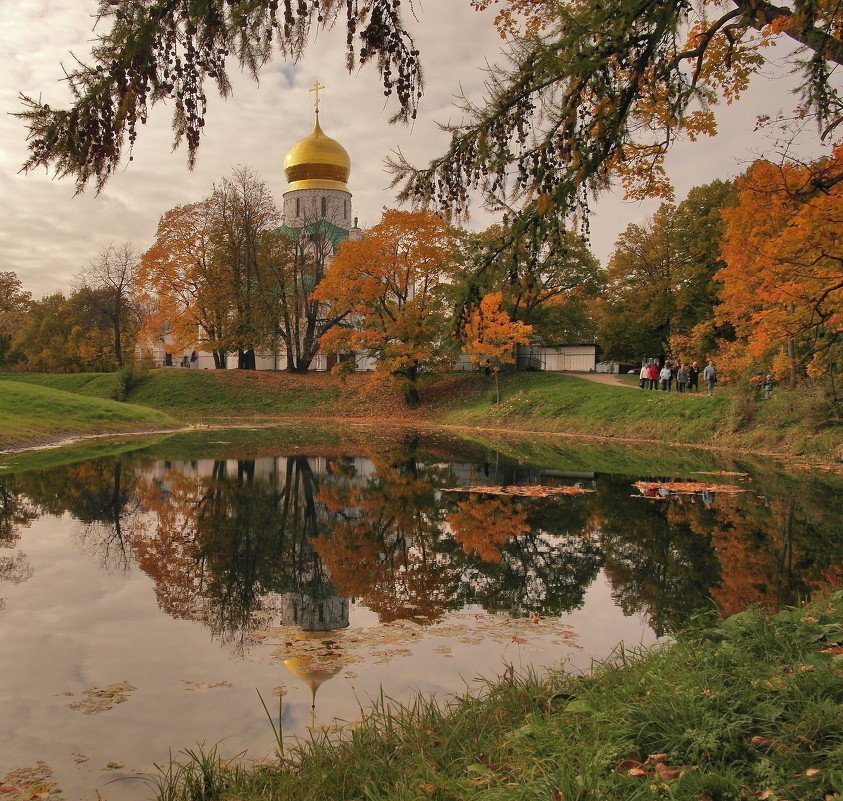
[(750, 708)]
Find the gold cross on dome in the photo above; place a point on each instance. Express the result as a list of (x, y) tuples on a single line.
[(316, 87)]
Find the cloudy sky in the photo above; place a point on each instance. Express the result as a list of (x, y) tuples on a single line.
[(47, 234)]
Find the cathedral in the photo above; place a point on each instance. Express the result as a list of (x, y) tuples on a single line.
[(317, 212)]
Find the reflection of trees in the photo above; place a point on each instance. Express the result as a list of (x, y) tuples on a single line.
[(101, 494), (655, 560), (545, 569), (225, 546), (227, 539), (385, 535), (15, 513)]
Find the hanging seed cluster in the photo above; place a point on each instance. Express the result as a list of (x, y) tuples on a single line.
[(165, 50)]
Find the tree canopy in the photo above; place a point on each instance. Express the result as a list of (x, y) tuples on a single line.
[(156, 50), (594, 90)]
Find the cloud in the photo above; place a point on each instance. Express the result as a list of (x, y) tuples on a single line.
[(49, 234)]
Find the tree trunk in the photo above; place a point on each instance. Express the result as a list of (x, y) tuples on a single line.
[(246, 359), (219, 359)]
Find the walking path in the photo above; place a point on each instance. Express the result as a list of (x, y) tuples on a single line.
[(605, 378)]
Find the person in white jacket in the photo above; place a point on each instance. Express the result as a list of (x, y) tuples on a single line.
[(710, 376), (664, 375)]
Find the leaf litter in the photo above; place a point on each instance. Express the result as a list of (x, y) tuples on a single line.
[(687, 487)]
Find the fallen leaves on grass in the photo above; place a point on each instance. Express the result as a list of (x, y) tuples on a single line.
[(654, 767), (537, 491)]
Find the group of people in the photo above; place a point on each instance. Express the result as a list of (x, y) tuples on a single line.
[(686, 377)]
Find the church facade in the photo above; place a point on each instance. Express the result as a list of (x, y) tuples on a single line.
[(317, 213)]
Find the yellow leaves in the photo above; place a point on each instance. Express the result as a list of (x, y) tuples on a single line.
[(537, 491), (490, 335), (483, 525)]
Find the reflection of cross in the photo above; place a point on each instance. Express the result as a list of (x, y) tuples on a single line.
[(316, 87)]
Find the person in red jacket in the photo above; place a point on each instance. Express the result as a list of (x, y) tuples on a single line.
[(653, 375)]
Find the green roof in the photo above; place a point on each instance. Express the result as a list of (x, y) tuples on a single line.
[(321, 228)]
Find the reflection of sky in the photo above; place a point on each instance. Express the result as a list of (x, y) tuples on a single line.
[(73, 626)]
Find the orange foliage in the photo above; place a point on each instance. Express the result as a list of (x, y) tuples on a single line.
[(389, 282), (186, 297), (484, 525), (490, 336), (783, 248)]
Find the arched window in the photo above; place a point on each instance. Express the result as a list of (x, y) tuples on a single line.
[(298, 208), (324, 207)]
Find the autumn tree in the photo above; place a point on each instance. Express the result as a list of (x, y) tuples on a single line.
[(242, 210), (298, 260), (389, 283), (597, 92), (547, 274), (490, 336), (783, 279), (110, 281), (185, 293), (594, 89), (14, 303), (660, 278)]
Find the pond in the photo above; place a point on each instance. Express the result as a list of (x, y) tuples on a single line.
[(208, 590)]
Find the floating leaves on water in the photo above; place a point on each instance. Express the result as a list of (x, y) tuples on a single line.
[(652, 488), (29, 784), (306, 654), (536, 491), (279, 690), (112, 766), (205, 685), (100, 700)]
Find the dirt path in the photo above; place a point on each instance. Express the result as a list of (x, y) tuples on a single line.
[(613, 379)]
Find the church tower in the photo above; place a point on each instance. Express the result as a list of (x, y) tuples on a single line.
[(317, 170)]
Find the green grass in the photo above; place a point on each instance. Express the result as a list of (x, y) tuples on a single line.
[(792, 423), (750, 709), (30, 414)]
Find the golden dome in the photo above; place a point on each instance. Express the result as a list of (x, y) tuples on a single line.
[(317, 162)]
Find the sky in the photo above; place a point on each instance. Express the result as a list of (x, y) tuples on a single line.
[(48, 234)]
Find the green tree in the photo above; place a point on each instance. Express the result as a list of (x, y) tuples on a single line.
[(660, 278), (548, 276), (14, 303), (158, 50)]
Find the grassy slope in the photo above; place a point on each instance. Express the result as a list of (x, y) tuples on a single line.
[(750, 709), (33, 414), (529, 402)]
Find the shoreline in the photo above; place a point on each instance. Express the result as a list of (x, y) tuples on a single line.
[(799, 461)]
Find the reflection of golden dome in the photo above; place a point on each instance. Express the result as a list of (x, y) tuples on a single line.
[(317, 162), (314, 669)]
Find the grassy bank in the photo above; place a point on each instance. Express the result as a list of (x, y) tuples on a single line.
[(792, 423), (32, 414), (749, 709)]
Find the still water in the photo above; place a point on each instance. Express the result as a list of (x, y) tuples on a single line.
[(156, 600)]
